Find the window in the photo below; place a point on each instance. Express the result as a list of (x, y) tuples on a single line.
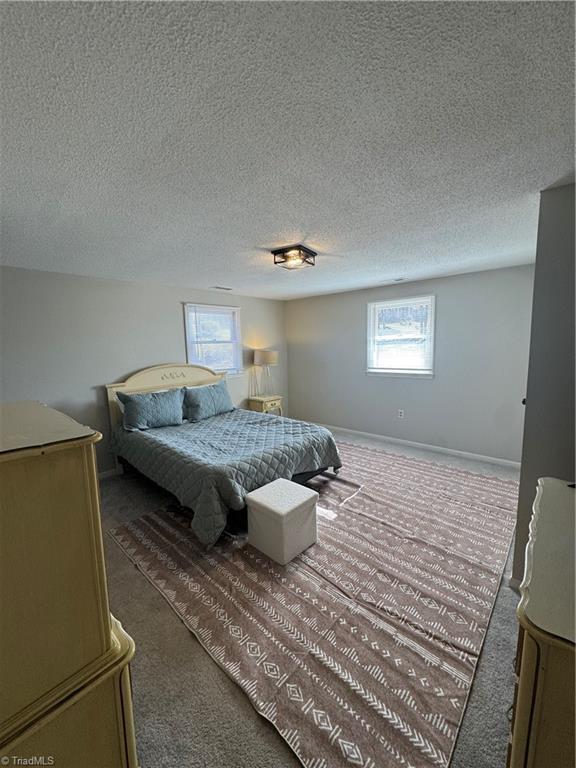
[(213, 337), (401, 336)]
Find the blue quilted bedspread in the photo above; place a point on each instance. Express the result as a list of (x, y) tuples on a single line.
[(211, 465)]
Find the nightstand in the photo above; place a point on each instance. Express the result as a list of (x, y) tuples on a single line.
[(265, 403)]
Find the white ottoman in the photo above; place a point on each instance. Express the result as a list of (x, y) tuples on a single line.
[(282, 519)]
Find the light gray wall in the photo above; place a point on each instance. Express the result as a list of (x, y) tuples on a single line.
[(548, 448), (64, 337), (473, 402)]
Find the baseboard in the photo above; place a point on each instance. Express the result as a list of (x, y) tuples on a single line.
[(109, 473), (425, 446)]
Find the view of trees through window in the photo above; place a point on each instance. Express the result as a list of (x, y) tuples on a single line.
[(400, 335), (213, 337)]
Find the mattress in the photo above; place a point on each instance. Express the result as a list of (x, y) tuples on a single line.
[(212, 464)]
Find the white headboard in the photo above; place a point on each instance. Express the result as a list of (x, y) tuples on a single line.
[(169, 376)]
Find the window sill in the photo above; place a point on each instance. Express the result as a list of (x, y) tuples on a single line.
[(233, 374), (402, 374)]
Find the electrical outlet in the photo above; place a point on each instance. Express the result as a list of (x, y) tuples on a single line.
[(400, 413)]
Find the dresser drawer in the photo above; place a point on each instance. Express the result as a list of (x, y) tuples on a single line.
[(94, 727), (53, 597)]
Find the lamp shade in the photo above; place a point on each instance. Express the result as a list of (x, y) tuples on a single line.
[(266, 357)]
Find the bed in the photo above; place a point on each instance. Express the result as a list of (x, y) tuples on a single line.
[(212, 464)]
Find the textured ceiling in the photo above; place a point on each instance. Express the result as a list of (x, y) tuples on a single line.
[(178, 142)]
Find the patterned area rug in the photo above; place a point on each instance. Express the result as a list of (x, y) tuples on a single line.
[(362, 651)]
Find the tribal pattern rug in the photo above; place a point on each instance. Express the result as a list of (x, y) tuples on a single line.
[(362, 651)]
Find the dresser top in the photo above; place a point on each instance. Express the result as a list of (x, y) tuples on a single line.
[(29, 424), (548, 585)]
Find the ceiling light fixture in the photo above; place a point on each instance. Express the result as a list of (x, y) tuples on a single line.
[(294, 256)]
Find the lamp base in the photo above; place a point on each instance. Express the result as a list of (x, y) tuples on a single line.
[(263, 386), (267, 383), (254, 389)]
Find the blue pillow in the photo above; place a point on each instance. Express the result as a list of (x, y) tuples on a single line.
[(152, 409), (202, 402)]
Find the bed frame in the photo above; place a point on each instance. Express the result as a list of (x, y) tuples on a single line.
[(156, 378), (170, 376)]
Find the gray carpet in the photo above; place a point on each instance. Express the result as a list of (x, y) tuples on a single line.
[(189, 713)]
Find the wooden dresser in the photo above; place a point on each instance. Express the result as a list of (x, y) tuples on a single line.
[(542, 729), (64, 676)]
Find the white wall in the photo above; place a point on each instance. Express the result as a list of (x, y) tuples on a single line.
[(549, 436), (473, 402), (64, 337)]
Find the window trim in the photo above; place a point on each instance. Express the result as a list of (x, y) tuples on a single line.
[(237, 341), (426, 373)]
